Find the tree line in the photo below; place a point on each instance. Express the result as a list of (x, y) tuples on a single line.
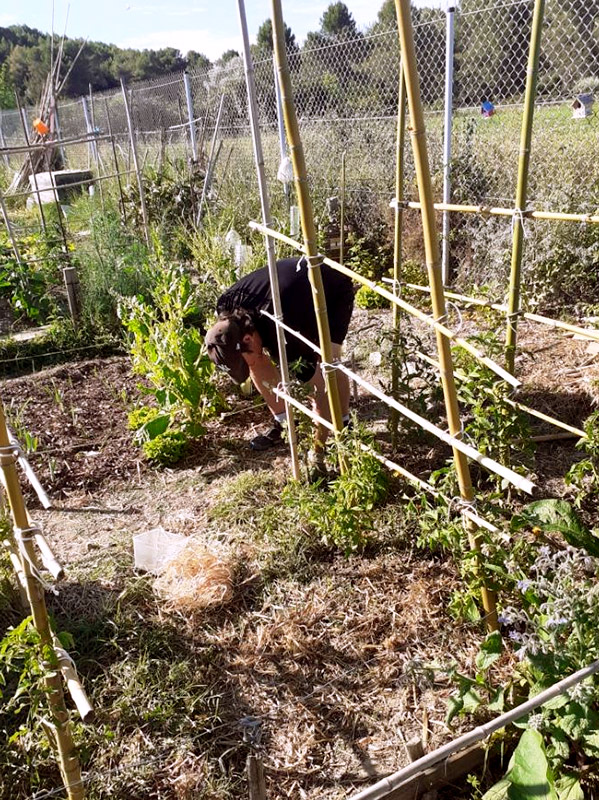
[(340, 69)]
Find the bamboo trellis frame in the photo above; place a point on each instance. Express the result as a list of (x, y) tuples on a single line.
[(58, 663)]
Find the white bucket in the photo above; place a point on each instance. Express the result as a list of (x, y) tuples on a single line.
[(153, 549)]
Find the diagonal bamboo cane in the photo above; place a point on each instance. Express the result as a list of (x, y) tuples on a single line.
[(67, 755)]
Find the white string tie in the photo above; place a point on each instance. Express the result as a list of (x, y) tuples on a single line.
[(23, 535), (519, 216)]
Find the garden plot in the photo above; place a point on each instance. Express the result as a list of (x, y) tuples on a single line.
[(334, 662)]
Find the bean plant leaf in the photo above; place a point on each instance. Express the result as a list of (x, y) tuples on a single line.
[(530, 777), (569, 788), (153, 428), (499, 791), (557, 516), (490, 650)]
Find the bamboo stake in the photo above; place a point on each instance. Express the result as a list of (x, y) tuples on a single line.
[(397, 244), (522, 185), (500, 211), (572, 431), (267, 219), (140, 184), (306, 214), (67, 757), (433, 261), (32, 165), (587, 333), (392, 465), (415, 312)]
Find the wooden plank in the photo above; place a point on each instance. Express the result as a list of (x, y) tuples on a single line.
[(454, 768)]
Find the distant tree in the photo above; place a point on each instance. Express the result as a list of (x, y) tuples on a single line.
[(264, 43), (227, 56), (7, 92), (338, 21), (197, 62)]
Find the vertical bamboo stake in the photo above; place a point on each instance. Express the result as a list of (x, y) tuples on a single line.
[(306, 214), (116, 163), (267, 220), (433, 262), (140, 183), (67, 756), (280, 126), (397, 242), (342, 210), (522, 185)]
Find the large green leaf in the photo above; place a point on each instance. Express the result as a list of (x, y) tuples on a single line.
[(530, 777), (499, 791), (569, 788), (557, 516), (489, 651)]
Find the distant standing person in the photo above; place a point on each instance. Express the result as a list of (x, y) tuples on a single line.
[(243, 342)]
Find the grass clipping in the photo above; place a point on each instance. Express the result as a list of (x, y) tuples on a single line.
[(195, 579)]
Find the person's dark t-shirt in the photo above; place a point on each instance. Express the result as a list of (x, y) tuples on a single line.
[(252, 294)]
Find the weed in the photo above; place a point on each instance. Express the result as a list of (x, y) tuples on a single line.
[(583, 476)]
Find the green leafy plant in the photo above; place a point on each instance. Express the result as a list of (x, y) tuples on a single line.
[(583, 476), (368, 298), (170, 355), (165, 449)]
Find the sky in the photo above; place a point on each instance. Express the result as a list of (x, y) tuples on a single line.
[(206, 26)]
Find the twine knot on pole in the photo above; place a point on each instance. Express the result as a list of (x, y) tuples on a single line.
[(518, 216), (23, 535), (9, 454), (251, 728)]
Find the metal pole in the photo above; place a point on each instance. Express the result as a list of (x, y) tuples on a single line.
[(3, 144), (267, 219), (142, 196), (96, 149), (397, 246), (10, 230), (342, 210), (433, 263), (211, 160), (280, 121), (88, 128), (387, 785), (522, 185), (190, 116), (449, 49), (116, 162)]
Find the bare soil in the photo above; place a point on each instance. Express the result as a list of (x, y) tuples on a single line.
[(331, 662)]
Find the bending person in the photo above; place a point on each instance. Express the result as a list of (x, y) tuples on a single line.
[(243, 342)]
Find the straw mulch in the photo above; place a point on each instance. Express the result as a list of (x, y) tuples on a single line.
[(195, 579)]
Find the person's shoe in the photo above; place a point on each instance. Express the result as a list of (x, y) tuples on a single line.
[(265, 441)]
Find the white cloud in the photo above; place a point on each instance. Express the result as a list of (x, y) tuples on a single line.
[(7, 19), (201, 40)]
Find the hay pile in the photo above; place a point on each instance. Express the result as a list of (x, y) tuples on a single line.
[(195, 579)]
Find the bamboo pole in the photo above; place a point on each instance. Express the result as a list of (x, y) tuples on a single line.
[(306, 214), (67, 756), (267, 220), (501, 211), (587, 333), (140, 184), (433, 261), (32, 165), (9, 228), (461, 376), (522, 185), (415, 312), (392, 465), (397, 244)]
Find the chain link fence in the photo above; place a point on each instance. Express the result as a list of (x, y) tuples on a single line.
[(346, 95)]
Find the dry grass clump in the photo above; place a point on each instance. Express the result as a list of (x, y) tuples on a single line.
[(195, 579)]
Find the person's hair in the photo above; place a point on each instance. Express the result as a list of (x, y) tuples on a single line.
[(244, 320)]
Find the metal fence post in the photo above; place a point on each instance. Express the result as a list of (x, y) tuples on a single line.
[(449, 49), (3, 144), (190, 116), (140, 184)]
